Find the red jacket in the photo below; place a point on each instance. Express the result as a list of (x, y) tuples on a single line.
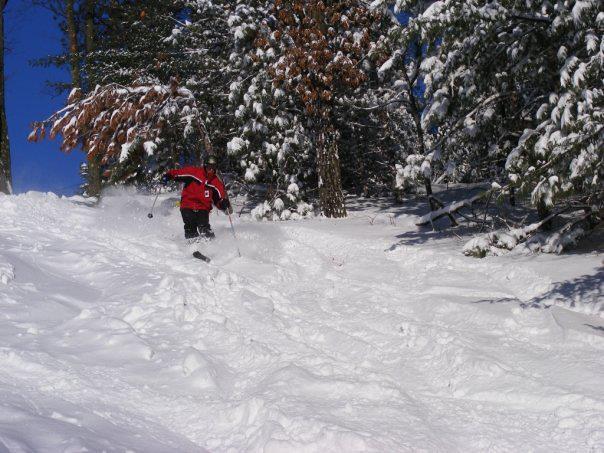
[(199, 191)]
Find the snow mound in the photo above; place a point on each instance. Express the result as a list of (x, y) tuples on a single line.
[(7, 272), (356, 334)]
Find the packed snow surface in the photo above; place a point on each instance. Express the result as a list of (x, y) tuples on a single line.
[(359, 334)]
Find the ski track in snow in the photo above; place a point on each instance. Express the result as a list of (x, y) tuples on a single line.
[(323, 337)]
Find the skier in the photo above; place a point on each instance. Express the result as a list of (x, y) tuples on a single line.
[(202, 188)]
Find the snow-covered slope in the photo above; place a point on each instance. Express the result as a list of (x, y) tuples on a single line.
[(349, 335)]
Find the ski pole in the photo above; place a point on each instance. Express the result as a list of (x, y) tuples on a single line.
[(150, 215), (235, 236)]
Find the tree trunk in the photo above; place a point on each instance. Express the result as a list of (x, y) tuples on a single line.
[(89, 26), (422, 150), (544, 212), (416, 115), (93, 187), (5, 171), (428, 186), (328, 169), (72, 39)]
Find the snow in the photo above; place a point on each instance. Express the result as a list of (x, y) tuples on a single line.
[(591, 43), (235, 145), (387, 65), (6, 272), (357, 334), (579, 7), (125, 151), (434, 10), (150, 147), (251, 172), (257, 107)]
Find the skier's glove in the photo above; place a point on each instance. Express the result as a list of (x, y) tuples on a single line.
[(225, 206), (164, 180)]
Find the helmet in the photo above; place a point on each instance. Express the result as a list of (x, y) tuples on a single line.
[(211, 160)]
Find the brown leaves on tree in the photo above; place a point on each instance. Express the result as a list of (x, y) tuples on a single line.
[(324, 45), (112, 116)]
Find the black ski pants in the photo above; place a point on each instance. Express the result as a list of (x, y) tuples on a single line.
[(197, 223)]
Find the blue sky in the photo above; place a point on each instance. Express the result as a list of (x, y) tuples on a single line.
[(31, 33)]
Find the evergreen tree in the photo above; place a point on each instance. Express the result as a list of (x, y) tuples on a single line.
[(134, 43), (127, 127), (228, 54), (270, 142), (306, 95), (151, 42), (375, 125), (514, 89), (562, 151), (322, 47), (402, 71)]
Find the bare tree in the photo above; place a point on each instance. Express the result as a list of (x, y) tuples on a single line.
[(74, 25), (93, 160), (72, 38), (5, 173)]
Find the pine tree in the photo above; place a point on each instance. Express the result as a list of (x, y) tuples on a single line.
[(134, 44), (337, 122), (274, 139), (270, 142), (134, 49), (403, 72), (127, 127), (322, 47), (183, 39), (514, 89), (306, 94), (562, 152), (374, 122)]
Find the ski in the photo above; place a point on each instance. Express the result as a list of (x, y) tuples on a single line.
[(200, 256)]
